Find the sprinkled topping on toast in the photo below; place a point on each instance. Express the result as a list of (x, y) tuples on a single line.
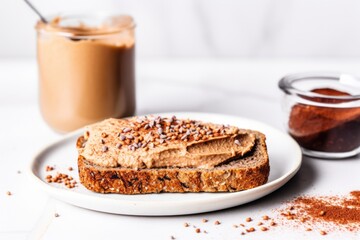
[(141, 134)]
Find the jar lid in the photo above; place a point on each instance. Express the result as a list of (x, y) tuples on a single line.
[(304, 84)]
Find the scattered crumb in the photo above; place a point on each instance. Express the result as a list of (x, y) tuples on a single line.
[(198, 230), (260, 223), (60, 178), (323, 232), (264, 229), (249, 219), (308, 229), (186, 224), (8, 193), (49, 168), (204, 220), (18, 172), (217, 222), (56, 215), (290, 217), (265, 217), (205, 231), (250, 229), (70, 169), (241, 224), (235, 226), (172, 238)]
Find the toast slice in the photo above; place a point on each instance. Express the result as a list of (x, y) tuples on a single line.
[(243, 163)]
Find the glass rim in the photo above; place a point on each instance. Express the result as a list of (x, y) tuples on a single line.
[(286, 84), (100, 34)]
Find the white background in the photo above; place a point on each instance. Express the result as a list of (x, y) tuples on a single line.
[(208, 28)]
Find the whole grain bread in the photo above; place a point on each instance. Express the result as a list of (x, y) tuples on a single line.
[(243, 172)]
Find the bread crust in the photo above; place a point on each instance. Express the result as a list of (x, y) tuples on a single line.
[(231, 177)]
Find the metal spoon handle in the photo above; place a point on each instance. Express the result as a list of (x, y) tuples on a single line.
[(36, 11)]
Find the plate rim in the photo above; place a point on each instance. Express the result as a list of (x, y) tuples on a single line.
[(272, 185)]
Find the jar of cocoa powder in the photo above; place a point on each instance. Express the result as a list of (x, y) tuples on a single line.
[(322, 113)]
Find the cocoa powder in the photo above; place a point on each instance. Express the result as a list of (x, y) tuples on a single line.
[(325, 129), (317, 214), (324, 212)]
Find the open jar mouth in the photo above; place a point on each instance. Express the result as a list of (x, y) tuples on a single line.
[(81, 26), (302, 84)]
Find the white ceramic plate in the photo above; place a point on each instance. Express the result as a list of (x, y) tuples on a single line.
[(285, 160)]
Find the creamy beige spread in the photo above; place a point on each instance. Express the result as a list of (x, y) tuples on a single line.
[(86, 73), (154, 142)]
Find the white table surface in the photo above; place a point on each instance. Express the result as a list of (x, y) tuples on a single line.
[(246, 88)]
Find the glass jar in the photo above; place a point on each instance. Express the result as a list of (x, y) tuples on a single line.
[(322, 113), (86, 69)]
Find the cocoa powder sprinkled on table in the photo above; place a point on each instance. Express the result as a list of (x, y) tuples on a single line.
[(325, 213), (317, 214)]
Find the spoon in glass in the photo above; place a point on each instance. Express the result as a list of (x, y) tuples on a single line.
[(43, 19)]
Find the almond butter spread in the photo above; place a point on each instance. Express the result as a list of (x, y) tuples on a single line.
[(86, 72), (155, 142)]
